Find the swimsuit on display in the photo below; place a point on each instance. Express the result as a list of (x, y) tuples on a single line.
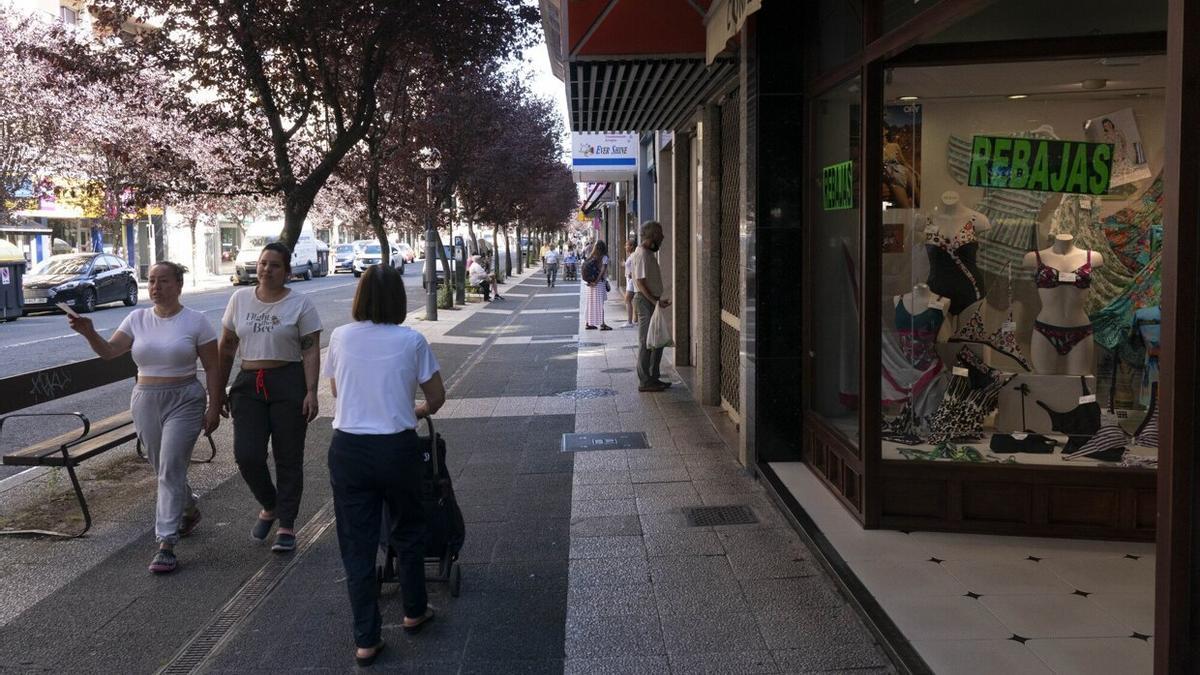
[(1147, 433), (969, 398), (952, 270), (1082, 420), (1004, 340), (1025, 441), (1107, 445), (918, 334), (912, 372), (1062, 338)]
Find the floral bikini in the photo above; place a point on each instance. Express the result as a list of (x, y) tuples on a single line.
[(1062, 338)]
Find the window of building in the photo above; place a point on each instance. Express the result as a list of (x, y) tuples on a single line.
[(68, 16)]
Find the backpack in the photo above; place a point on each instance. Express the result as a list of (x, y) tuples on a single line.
[(591, 271)]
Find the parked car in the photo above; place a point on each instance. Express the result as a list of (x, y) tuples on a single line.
[(83, 281), (407, 252), (371, 254), (439, 270), (343, 258)]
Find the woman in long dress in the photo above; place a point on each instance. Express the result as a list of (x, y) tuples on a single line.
[(598, 289)]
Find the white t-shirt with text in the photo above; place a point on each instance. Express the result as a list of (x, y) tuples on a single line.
[(270, 331)]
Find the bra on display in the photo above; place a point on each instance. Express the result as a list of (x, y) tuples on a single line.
[(1004, 340), (1049, 277)]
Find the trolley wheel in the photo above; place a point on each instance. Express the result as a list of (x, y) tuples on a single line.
[(455, 580)]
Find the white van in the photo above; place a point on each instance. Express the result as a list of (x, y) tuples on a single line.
[(306, 263)]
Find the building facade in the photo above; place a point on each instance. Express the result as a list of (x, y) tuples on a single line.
[(930, 260)]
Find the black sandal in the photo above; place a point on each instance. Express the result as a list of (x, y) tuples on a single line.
[(364, 661), (605, 326), (413, 629)]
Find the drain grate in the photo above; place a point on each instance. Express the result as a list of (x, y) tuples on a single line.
[(711, 516), (587, 393), (623, 440), (617, 370)]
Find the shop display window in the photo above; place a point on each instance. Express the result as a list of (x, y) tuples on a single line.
[(834, 262), (1021, 237)]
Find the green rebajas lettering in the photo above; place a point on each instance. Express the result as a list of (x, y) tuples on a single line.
[(1041, 164), (838, 186)]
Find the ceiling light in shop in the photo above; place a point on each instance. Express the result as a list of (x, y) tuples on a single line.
[(1014, 97), (909, 98)]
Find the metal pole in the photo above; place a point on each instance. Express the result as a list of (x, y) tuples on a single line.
[(460, 276), (431, 308)]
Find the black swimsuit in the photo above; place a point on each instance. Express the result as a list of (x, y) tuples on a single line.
[(953, 273), (1079, 423)]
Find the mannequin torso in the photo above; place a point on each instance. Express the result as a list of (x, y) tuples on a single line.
[(952, 248), (1062, 339)]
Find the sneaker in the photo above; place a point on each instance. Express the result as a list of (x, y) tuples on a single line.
[(284, 542), (651, 388), (190, 521), (262, 527), (164, 562)]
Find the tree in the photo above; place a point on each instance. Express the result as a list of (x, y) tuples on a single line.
[(300, 76)]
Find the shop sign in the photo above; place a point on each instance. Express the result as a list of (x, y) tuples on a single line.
[(603, 158), (1040, 164), (837, 182)]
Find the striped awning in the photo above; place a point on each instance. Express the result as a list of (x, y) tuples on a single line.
[(641, 95)]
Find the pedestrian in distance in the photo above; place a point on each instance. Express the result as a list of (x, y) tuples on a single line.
[(170, 408), (375, 458), (277, 334), (630, 287), (550, 260), (569, 263), (648, 280), (595, 275)]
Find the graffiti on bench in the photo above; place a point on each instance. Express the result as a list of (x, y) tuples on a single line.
[(41, 386)]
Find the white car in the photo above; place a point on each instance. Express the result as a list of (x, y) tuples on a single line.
[(371, 254)]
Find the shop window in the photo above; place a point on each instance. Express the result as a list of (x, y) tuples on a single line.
[(840, 34), (1032, 19), (1022, 229), (834, 265), (896, 12)]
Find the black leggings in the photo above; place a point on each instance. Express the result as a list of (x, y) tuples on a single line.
[(267, 406)]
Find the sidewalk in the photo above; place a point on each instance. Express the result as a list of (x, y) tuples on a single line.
[(575, 561)]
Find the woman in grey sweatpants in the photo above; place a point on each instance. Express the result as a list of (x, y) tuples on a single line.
[(170, 408)]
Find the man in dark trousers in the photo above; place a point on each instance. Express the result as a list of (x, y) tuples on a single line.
[(647, 278)]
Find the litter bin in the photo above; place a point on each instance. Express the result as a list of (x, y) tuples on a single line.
[(12, 268)]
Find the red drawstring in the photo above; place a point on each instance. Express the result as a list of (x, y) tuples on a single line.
[(260, 383)]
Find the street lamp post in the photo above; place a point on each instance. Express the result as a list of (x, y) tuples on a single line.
[(430, 160)]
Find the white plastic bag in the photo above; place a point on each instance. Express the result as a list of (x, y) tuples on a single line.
[(659, 334)]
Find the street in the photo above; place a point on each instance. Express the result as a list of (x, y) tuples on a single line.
[(43, 340)]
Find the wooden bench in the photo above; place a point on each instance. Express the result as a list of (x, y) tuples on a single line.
[(474, 290), (69, 450)]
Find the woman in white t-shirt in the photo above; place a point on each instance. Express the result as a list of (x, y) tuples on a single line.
[(168, 403), (630, 288), (375, 366), (277, 334)]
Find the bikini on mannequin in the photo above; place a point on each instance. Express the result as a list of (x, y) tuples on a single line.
[(952, 248), (919, 319), (1062, 333)]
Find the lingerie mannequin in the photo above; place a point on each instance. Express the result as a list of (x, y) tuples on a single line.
[(952, 248), (1062, 333), (919, 318)]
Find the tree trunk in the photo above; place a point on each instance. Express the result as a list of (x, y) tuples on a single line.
[(295, 210), (373, 214), (474, 239)]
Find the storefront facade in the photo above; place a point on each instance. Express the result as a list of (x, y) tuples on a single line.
[(936, 253)]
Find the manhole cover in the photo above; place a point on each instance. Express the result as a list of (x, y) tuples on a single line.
[(587, 392), (624, 440), (617, 370), (709, 516)]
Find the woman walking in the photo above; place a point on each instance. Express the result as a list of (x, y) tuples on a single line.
[(277, 334), (597, 289), (630, 288), (168, 403), (375, 459)]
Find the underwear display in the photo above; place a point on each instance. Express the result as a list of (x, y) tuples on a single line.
[(1075, 216), (1106, 445), (1063, 338), (1081, 421), (1147, 433), (969, 398), (953, 273), (1049, 277), (918, 334), (1004, 340), (1032, 443)]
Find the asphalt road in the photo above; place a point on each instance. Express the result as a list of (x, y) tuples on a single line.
[(43, 341)]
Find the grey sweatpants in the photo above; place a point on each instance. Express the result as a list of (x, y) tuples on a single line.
[(648, 360), (168, 419)]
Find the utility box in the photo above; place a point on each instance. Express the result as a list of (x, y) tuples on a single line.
[(12, 269)]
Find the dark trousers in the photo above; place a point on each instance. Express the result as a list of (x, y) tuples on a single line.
[(551, 273), (485, 287), (648, 360), (368, 473), (267, 406)]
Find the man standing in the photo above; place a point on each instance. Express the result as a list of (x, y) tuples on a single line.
[(647, 278), (550, 260)]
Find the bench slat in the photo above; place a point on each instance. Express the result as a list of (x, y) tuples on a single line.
[(104, 435)]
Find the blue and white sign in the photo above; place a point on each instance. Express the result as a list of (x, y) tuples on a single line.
[(604, 157)]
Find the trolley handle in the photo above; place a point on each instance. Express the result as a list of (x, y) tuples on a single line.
[(433, 450)]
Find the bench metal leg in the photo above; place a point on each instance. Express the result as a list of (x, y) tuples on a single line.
[(87, 515)]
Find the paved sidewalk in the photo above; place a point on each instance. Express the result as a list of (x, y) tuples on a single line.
[(576, 562)]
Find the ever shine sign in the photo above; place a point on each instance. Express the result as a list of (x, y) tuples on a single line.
[(1040, 164), (837, 186)]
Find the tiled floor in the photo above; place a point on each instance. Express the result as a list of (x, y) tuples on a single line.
[(981, 604)]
